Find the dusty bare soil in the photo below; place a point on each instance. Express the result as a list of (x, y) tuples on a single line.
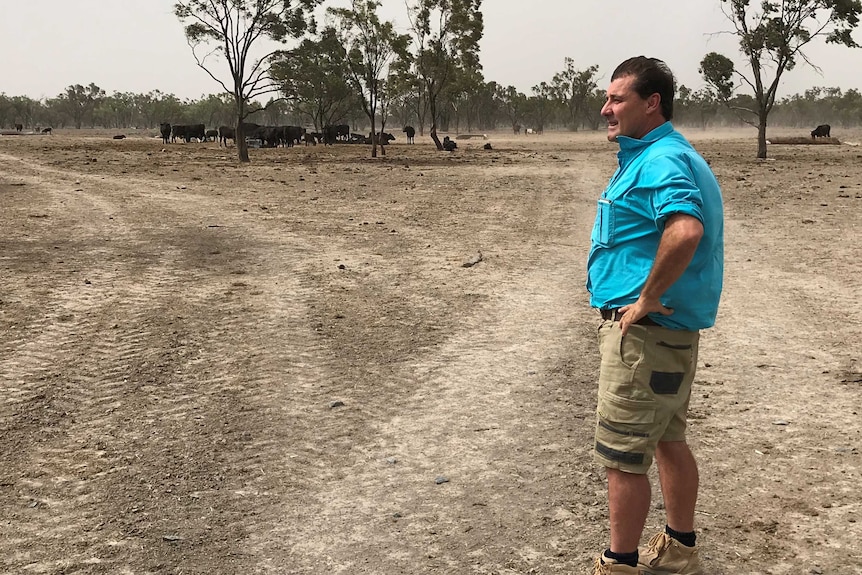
[(286, 368)]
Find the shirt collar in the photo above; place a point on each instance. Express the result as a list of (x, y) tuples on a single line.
[(629, 146)]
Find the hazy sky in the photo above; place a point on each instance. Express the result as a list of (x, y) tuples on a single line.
[(139, 45)]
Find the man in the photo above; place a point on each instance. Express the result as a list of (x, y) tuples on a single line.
[(655, 273)]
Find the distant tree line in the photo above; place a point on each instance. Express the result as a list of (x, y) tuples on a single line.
[(570, 101)]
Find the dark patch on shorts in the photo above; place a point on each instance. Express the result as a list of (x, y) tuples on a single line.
[(622, 431), (665, 383), (673, 345), (629, 458)]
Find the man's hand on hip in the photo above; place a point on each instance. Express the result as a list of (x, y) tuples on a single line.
[(632, 313)]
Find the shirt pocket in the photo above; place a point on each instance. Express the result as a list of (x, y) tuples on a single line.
[(603, 229)]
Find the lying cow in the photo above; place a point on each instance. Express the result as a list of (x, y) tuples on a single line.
[(384, 138), (821, 131)]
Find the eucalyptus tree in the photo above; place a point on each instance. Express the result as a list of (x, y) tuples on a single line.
[(78, 102), (458, 95), (573, 88), (772, 36), (446, 37), (370, 46), (541, 105), (233, 29), (314, 78), (24, 110), (513, 104), (408, 92)]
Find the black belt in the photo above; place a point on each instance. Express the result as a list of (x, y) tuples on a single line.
[(615, 315)]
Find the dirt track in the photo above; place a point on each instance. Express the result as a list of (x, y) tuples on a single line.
[(213, 368)]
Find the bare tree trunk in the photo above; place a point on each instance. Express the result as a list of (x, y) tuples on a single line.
[(239, 140), (434, 125), (761, 136)]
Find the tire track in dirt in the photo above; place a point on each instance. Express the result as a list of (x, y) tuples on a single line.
[(118, 389), (373, 506)]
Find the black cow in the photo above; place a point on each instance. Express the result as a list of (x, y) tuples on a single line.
[(342, 131), (19, 127), (211, 134), (188, 131), (196, 131), (411, 132), (330, 135), (292, 135), (310, 138), (269, 136), (821, 131), (46, 130), (226, 133), (449, 145), (165, 131), (178, 131), (253, 131), (385, 138)]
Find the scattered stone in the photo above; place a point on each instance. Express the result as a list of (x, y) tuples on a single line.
[(171, 538), (391, 460), (472, 261), (337, 403), (441, 479), (780, 422)]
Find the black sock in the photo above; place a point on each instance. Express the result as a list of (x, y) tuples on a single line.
[(630, 559), (687, 539)]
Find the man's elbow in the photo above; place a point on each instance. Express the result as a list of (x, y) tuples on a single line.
[(687, 229)]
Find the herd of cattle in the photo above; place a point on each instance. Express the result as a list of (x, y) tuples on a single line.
[(273, 136)]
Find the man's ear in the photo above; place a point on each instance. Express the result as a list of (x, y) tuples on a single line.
[(654, 103)]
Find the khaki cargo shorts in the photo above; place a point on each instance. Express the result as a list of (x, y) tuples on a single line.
[(644, 391)]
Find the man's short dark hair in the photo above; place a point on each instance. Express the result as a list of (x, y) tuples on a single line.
[(652, 76)]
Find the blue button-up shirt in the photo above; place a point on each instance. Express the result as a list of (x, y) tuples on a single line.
[(658, 176)]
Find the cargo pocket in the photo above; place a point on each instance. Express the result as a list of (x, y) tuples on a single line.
[(618, 409), (623, 430)]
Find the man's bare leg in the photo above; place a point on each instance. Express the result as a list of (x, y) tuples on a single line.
[(628, 503), (679, 479)]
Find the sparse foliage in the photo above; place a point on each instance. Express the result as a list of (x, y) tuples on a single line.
[(314, 78), (573, 88), (370, 46), (446, 35), (79, 102), (232, 29), (772, 36)]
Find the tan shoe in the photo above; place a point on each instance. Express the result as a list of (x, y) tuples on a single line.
[(664, 555), (607, 566)]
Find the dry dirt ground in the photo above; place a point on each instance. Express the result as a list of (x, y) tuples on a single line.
[(285, 367)]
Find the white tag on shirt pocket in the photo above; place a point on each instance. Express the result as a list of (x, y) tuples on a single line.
[(605, 223)]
